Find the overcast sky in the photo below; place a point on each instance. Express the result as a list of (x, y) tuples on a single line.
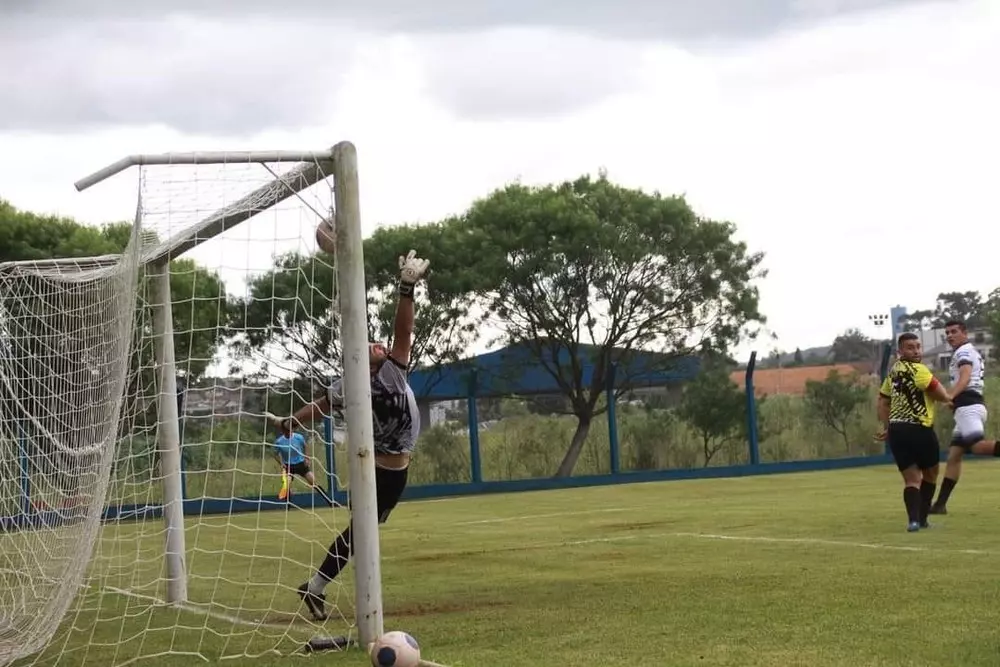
[(850, 140)]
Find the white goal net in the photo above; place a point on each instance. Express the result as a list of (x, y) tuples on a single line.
[(94, 400)]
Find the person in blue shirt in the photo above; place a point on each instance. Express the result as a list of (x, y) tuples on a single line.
[(290, 452)]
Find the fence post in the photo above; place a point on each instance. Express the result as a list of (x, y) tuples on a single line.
[(181, 420), (752, 411), (883, 370), (24, 468), (331, 458), (475, 461), (613, 451)]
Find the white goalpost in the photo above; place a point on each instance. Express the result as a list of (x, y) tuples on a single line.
[(138, 519)]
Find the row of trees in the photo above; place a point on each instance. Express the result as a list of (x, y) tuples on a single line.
[(586, 269), (977, 311)]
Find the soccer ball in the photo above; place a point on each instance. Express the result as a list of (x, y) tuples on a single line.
[(326, 236), (395, 649)]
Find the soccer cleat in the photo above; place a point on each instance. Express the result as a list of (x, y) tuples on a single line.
[(938, 509), (924, 525), (316, 604), (912, 527)]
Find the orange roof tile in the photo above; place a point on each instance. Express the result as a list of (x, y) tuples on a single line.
[(792, 381)]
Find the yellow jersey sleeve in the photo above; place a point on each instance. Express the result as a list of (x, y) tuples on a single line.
[(922, 377), (886, 388)]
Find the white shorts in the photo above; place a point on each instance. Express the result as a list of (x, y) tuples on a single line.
[(970, 425)]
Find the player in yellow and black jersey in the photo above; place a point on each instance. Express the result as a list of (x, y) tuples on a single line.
[(906, 411)]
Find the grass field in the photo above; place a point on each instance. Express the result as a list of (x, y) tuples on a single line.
[(809, 569)]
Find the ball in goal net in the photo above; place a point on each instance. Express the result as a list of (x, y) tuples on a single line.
[(139, 508)]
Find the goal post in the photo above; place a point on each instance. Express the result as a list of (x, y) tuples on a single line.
[(357, 393), (183, 565), (168, 436)]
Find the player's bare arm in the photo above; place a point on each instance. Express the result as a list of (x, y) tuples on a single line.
[(964, 375), (937, 391), (883, 416), (411, 270)]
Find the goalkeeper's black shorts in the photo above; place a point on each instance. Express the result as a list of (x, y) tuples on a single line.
[(300, 468)]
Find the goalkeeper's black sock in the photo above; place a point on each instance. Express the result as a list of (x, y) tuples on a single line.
[(911, 498), (947, 486), (926, 496), (336, 559)]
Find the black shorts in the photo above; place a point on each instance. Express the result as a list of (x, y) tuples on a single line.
[(914, 445), (300, 468), (389, 486)]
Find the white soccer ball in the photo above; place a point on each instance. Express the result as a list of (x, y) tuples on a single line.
[(326, 236), (395, 649)]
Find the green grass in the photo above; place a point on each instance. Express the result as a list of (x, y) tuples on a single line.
[(809, 569)]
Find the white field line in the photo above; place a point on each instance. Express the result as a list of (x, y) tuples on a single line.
[(760, 539), (552, 515), (831, 543), (195, 609)]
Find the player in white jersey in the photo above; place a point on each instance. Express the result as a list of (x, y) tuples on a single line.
[(396, 425), (968, 375)]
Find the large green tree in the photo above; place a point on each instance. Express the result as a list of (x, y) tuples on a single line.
[(716, 410), (835, 401), (587, 271), (54, 331), (852, 345), (201, 308)]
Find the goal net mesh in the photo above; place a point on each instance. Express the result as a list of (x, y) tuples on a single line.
[(83, 535)]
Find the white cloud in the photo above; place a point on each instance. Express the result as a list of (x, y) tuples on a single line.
[(850, 153), (200, 76), (516, 73)]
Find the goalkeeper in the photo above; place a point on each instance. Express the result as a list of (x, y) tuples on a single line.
[(396, 425)]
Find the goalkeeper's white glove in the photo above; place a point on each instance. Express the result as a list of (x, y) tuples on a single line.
[(411, 270), (282, 424)]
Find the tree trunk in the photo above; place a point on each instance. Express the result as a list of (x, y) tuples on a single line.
[(575, 447)]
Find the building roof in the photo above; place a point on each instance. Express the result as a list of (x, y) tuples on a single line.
[(517, 370), (772, 381)]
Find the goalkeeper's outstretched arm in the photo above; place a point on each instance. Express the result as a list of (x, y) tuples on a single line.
[(411, 270), (310, 412)]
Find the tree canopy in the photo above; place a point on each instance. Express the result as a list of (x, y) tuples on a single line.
[(201, 308), (588, 263), (584, 271)]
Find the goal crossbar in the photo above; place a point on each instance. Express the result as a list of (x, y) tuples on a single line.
[(314, 166), (200, 157)]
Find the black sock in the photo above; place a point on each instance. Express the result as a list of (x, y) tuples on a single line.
[(911, 498), (926, 496), (996, 448), (946, 488), (337, 555)]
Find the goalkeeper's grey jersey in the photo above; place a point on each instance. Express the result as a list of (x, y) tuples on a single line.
[(395, 415)]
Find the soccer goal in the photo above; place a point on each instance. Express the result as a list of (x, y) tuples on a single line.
[(140, 513)]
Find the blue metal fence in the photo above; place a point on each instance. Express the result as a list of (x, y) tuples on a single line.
[(31, 515)]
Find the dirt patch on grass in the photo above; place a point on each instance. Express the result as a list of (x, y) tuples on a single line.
[(284, 618), (629, 526), (435, 608)]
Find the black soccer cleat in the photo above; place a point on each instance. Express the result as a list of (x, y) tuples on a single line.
[(316, 604), (938, 509)]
